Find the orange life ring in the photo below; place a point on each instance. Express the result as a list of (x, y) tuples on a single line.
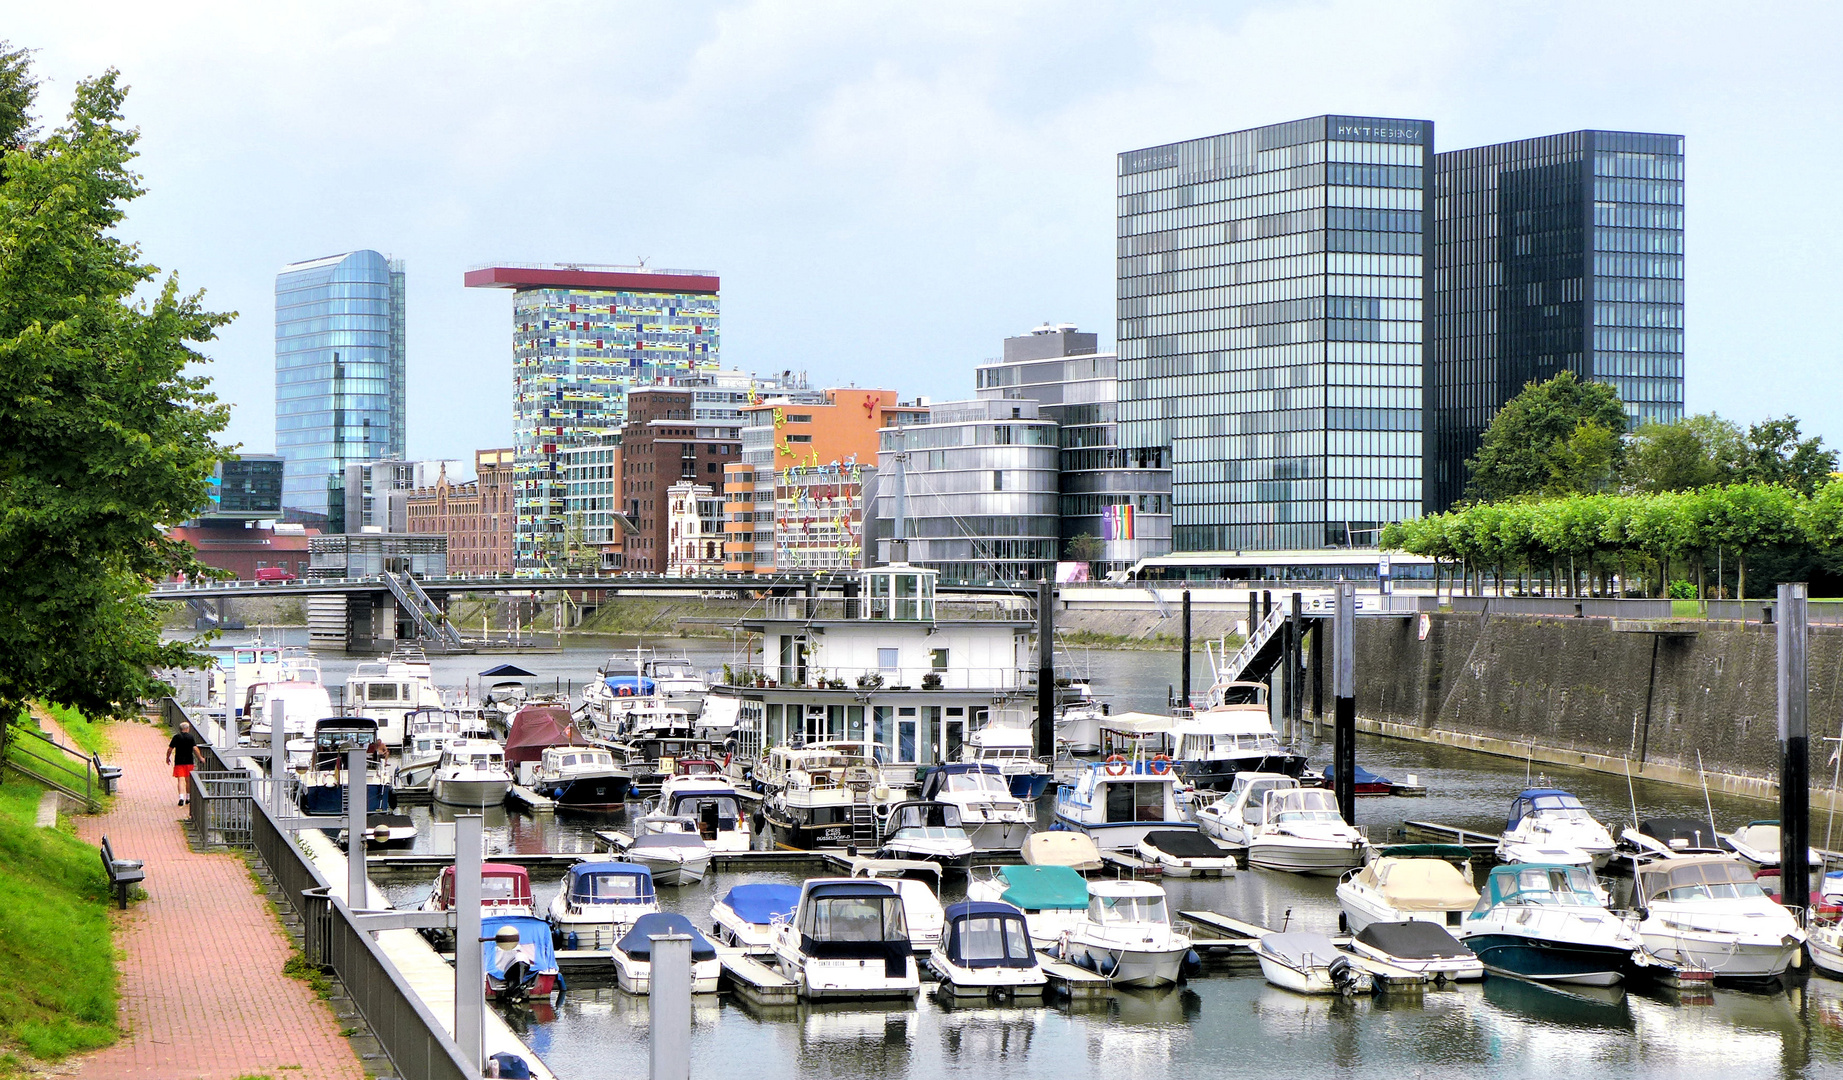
[(1160, 764), (1117, 760)]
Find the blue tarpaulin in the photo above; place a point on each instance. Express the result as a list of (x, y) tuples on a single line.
[(762, 904)]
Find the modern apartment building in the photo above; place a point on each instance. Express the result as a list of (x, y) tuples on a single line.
[(583, 338), (1558, 253), (1270, 288), (339, 376), (594, 526), (1118, 495), (662, 444)]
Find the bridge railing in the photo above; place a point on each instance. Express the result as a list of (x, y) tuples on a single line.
[(861, 679)]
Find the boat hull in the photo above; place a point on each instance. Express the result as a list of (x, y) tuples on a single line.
[(998, 835), (1028, 786), (587, 793), (1218, 774), (987, 982), (849, 980), (470, 792), (1130, 967), (1296, 857), (674, 871), (326, 800), (1550, 961), (636, 976), (1117, 836), (1826, 945), (1721, 954)]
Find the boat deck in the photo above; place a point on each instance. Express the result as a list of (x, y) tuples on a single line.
[(1076, 982), (530, 799), (755, 981), (1219, 930)]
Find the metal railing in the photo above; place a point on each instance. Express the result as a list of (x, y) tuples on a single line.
[(868, 679), (220, 809), (907, 609)]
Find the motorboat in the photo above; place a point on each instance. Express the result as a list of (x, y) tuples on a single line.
[(676, 854), (598, 901), (1545, 821), (986, 952), (1302, 832), (747, 915), (1186, 853), (1126, 936), (534, 727), (1708, 913), (428, 731), (633, 954), (653, 759), (1547, 924), (1825, 943), (1054, 899), (1410, 883), (1424, 947), (1120, 800), (322, 787), (918, 882), (389, 690), (715, 810), (695, 774), (848, 939), (580, 778), (505, 698), (519, 958), (925, 829), (1671, 838), (1059, 847), (505, 889), (303, 703), (1078, 721), (1758, 844), (472, 772), (1364, 782), (829, 794), (1212, 746), (1011, 750), (992, 818), (1306, 962), (1233, 818)]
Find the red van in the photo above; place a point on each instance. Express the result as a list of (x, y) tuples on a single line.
[(274, 573)]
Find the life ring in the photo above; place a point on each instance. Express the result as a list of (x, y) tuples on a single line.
[(1160, 764), (1119, 761)]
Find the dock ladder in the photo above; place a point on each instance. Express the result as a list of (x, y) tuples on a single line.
[(431, 622)]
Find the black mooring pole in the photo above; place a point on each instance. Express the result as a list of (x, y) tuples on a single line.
[(1344, 686), (1183, 700), (1046, 669), (1794, 746), (1295, 665), (1318, 676)]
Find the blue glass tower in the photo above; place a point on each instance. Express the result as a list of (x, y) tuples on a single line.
[(339, 376)]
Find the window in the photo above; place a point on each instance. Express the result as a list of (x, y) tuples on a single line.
[(886, 659), (938, 658), (799, 418), (799, 438), (998, 480)]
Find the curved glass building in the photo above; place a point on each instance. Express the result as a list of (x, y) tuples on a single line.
[(339, 364)]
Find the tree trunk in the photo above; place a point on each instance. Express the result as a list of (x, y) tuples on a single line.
[(1740, 578)]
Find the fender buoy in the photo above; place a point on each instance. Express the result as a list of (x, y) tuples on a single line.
[(1161, 764), (1117, 766)]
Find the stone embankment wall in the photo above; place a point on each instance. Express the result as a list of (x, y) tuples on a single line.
[(1577, 692)]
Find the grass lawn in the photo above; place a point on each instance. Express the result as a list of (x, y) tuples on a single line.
[(47, 760), (88, 734)]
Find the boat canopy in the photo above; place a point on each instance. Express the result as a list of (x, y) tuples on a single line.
[(1363, 776), (1224, 720), (1300, 805), (853, 919), (941, 778), (608, 883), (721, 803), (1422, 884), (1137, 724), (1062, 847), (1300, 948), (506, 671), (1044, 888), (1681, 834), (1544, 801), (982, 934), (629, 685), (1413, 941), (1538, 883), (534, 944), (918, 814), (1186, 844), (537, 726), (763, 903), (1714, 877), (638, 942)]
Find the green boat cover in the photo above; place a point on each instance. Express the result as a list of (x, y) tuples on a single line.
[(1425, 851), (1037, 888)]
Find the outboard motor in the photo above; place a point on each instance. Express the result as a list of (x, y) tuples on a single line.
[(1344, 976)]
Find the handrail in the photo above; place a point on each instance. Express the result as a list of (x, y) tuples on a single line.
[(1257, 640)]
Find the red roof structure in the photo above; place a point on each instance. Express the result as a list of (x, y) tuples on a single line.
[(641, 279)]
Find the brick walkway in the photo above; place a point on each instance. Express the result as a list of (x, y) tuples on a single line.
[(202, 993)]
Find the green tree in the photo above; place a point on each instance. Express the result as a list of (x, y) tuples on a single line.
[(104, 438), (1776, 455), (1749, 517), (1536, 444), (1084, 548), (1673, 457)]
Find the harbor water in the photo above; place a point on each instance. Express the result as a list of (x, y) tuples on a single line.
[(1220, 1023)]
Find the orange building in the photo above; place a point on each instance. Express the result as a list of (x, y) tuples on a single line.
[(795, 500)]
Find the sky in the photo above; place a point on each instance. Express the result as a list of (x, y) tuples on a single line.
[(888, 191)]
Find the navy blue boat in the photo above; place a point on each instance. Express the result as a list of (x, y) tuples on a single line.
[(1545, 923)]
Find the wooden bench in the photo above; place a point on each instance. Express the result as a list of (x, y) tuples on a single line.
[(108, 775), (122, 872)]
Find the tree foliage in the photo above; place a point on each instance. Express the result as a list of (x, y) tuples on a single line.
[(1085, 548), (1558, 437), (104, 437)]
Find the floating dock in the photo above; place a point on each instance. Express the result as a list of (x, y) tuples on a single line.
[(754, 981), (531, 800), (1076, 982)]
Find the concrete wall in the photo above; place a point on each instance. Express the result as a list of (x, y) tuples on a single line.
[(1581, 693)]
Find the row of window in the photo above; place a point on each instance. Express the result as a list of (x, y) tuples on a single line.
[(1252, 151), (1649, 240)]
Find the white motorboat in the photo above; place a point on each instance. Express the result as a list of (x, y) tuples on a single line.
[(633, 954), (1054, 899), (848, 939), (1059, 847), (1186, 853), (389, 690), (1308, 963), (747, 915), (1233, 818), (580, 778), (472, 772), (1544, 823), (924, 829), (1709, 913), (1419, 946), (695, 774), (598, 901), (1078, 722), (918, 882), (1120, 800), (825, 795), (304, 704), (1410, 882), (1825, 942), (1011, 749), (505, 889), (1211, 747), (676, 855), (986, 952), (992, 818), (1127, 937), (1758, 844), (1303, 833), (1547, 924), (715, 808), (1670, 838)]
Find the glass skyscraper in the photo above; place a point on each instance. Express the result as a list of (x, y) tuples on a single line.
[(339, 376), (1563, 252), (1271, 284), (581, 337)]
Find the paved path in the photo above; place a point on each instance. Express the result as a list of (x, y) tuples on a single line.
[(202, 993)]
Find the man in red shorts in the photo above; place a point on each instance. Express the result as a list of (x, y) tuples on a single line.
[(179, 753)]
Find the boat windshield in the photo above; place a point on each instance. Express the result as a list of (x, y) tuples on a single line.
[(931, 832), (1702, 881), (856, 918), (1547, 885), (978, 782), (994, 937), (1300, 817), (1114, 910), (498, 888), (610, 889), (1562, 807)]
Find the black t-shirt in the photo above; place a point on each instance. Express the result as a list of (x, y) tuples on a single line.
[(182, 745)]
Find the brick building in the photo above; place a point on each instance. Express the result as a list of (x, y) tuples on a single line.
[(477, 516), (662, 444)]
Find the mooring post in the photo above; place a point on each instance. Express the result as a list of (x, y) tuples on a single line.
[(1266, 604), (1046, 669), (1295, 666), (670, 1005), (278, 757), (1318, 676), (358, 790), (469, 976), (1794, 762), (1184, 695), (1254, 607), (1344, 686), (228, 733)]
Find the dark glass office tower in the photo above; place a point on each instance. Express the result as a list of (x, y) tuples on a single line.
[(1270, 300), (1561, 252)]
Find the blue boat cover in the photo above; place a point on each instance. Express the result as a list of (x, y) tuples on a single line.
[(1044, 888), (506, 671), (981, 933), (608, 883), (763, 903), (629, 685), (638, 942), (1364, 776), (533, 932)]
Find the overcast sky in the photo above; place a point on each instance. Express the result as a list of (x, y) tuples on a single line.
[(888, 191)]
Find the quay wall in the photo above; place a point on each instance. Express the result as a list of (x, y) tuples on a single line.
[(1578, 692)]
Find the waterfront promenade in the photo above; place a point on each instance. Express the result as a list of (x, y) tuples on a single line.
[(203, 996)]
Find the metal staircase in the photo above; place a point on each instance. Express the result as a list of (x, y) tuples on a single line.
[(431, 623), (864, 826), (1259, 653)]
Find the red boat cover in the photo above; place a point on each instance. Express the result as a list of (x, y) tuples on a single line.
[(536, 726)]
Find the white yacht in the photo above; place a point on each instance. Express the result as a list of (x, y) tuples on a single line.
[(922, 829), (472, 772), (1758, 844), (1708, 913), (1127, 936), (1410, 882), (1303, 833), (1078, 722), (716, 811), (746, 916), (1233, 818), (1547, 924), (672, 850), (304, 704), (1054, 899), (389, 690), (1309, 963), (990, 815), (1234, 736), (1544, 823), (1011, 750), (598, 901), (848, 939), (986, 952), (1120, 800), (1670, 838), (918, 882)]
